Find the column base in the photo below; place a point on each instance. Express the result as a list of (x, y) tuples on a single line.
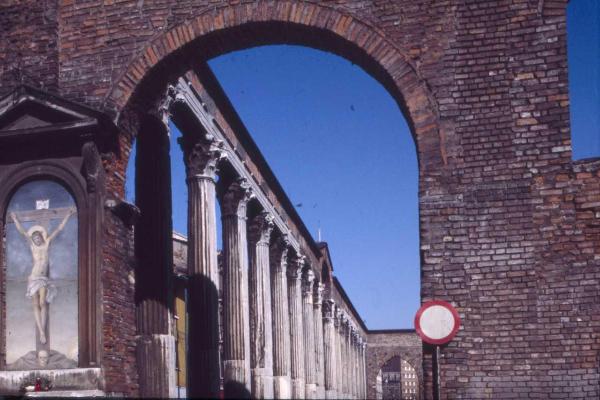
[(236, 380), (156, 365), (331, 394), (298, 389), (262, 383), (311, 391), (320, 392), (282, 387)]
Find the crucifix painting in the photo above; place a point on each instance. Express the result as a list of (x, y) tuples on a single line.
[(42, 296)]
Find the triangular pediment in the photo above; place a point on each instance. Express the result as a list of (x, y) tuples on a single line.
[(29, 111)]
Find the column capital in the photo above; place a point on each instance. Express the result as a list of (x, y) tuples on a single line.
[(279, 252), (329, 309), (161, 109), (339, 316), (318, 294), (347, 325), (295, 267), (308, 283), (260, 228), (235, 197), (201, 155)]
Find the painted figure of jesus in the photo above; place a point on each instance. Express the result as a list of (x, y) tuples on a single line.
[(39, 288)]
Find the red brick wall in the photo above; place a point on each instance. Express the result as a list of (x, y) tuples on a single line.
[(509, 225), (118, 306), (29, 44)]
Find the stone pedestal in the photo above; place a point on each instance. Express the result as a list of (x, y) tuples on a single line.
[(200, 156), (157, 350)]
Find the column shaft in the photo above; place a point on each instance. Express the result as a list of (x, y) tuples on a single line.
[(319, 345), (330, 350), (364, 371), (345, 358), (154, 251), (339, 362), (296, 328), (309, 335), (203, 297), (352, 368), (355, 378), (236, 328), (281, 320), (261, 322)]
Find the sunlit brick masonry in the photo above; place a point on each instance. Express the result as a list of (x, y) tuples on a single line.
[(99, 297)]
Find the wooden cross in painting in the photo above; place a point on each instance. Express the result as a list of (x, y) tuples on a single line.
[(39, 287)]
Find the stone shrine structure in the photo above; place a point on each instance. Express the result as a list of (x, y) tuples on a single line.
[(509, 223)]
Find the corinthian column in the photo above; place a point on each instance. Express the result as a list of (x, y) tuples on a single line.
[(236, 327), (363, 377), (330, 349), (351, 368), (345, 360), (354, 363), (339, 338), (154, 250), (364, 366), (296, 327), (309, 334), (319, 345), (261, 322), (281, 320), (200, 155)]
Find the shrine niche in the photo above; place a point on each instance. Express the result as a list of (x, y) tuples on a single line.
[(41, 278), (51, 208)]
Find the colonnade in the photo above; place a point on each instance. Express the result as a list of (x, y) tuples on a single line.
[(280, 339)]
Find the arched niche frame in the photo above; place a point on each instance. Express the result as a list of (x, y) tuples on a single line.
[(88, 315)]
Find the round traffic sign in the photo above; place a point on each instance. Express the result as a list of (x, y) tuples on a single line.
[(437, 322)]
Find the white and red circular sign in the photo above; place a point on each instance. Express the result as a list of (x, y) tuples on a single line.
[(437, 322)]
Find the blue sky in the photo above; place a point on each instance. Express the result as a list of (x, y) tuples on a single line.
[(340, 146), (583, 47)]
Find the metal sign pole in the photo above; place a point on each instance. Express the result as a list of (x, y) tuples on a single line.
[(436, 374), (437, 322)]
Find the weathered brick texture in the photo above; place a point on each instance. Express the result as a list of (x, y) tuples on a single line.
[(118, 306), (509, 224)]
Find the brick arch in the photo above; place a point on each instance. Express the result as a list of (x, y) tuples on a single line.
[(376, 361), (215, 31)]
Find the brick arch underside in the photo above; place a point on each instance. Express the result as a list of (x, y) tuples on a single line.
[(216, 31), (377, 358)]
